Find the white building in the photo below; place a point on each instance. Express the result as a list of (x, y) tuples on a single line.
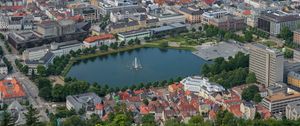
[(97, 41), (64, 48), (201, 85), (35, 53)]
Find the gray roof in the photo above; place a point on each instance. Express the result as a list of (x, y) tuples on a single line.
[(43, 61), (83, 99), (277, 16), (190, 11)]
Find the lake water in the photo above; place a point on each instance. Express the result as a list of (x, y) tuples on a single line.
[(157, 64)]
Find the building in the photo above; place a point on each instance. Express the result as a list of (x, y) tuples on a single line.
[(11, 90), (277, 103), (248, 110), (122, 14), (119, 27), (64, 48), (209, 15), (191, 14), (168, 29), (292, 111), (296, 36), (201, 86), (48, 32), (35, 53), (273, 21), (96, 41), (43, 61), (107, 6), (89, 102), (132, 35), (87, 12), (266, 63), (294, 79), (223, 20), (277, 88)]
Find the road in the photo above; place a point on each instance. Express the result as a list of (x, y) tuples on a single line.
[(29, 87)]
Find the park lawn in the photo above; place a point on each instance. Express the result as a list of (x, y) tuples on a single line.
[(269, 43)]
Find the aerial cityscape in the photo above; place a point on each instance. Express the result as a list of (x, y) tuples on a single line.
[(149, 63)]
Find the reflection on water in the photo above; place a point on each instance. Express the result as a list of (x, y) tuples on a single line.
[(158, 64)]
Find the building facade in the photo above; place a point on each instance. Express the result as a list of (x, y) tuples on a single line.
[(277, 103), (132, 35), (96, 41), (266, 63), (292, 111), (273, 21)]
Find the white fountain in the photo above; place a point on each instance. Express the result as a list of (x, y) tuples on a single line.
[(136, 65)]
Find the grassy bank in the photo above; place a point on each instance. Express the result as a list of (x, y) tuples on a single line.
[(154, 45)]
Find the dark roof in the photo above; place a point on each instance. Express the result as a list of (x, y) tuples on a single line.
[(120, 25), (192, 12), (278, 16)]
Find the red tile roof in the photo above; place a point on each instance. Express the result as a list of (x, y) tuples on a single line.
[(209, 2), (99, 107), (13, 8), (99, 37), (137, 92), (212, 114), (235, 110), (247, 12), (144, 109), (11, 89)]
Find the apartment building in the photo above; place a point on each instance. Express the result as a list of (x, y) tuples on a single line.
[(266, 63)]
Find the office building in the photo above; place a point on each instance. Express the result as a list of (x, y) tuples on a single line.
[(132, 35), (223, 20), (266, 63), (277, 103), (292, 111), (273, 21)]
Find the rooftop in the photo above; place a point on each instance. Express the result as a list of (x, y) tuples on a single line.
[(11, 88), (280, 16), (99, 37), (281, 96)]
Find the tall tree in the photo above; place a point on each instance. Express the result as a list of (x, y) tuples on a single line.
[(32, 118), (7, 119)]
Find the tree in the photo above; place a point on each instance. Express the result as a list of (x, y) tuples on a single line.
[(193, 29), (196, 121), (1, 36), (41, 70), (257, 115), (74, 120), (251, 78), (286, 34), (45, 93), (122, 44), (145, 101), (137, 41), (257, 98), (173, 122), (130, 42), (288, 53), (163, 44), (32, 118), (248, 36), (148, 120), (7, 119), (249, 93), (104, 48)]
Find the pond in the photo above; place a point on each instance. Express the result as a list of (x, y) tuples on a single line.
[(137, 66)]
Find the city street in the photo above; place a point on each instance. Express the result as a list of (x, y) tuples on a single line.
[(29, 87)]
